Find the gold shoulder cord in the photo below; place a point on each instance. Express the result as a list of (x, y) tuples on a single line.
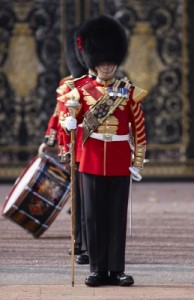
[(139, 94), (140, 150), (71, 83)]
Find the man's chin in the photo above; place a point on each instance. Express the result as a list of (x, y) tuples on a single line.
[(105, 75), (105, 78)]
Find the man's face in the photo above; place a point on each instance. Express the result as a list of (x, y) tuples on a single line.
[(105, 71)]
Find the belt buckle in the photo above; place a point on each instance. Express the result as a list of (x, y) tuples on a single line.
[(107, 137)]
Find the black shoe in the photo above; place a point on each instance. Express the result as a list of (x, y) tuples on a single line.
[(119, 278), (77, 250), (82, 259), (97, 279)]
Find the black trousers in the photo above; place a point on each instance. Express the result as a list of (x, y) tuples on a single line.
[(106, 201), (80, 225)]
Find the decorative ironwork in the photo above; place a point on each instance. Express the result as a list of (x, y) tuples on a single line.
[(32, 61), (29, 71)]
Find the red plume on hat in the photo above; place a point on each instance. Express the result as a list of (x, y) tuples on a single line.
[(79, 43), (102, 39), (76, 68)]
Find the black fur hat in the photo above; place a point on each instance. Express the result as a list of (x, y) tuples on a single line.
[(76, 69), (102, 39), (79, 52)]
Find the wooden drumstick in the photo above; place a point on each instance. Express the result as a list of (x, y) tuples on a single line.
[(72, 105)]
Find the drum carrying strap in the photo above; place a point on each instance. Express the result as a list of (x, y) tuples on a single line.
[(105, 106)]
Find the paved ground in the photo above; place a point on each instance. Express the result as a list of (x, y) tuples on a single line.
[(159, 254)]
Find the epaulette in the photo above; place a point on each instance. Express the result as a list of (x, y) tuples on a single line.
[(70, 84), (66, 83), (66, 78), (80, 82), (139, 94), (78, 78)]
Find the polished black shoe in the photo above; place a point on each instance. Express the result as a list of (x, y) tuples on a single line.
[(97, 279), (82, 259), (120, 278), (77, 250)]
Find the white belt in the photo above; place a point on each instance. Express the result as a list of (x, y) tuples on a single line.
[(107, 137)]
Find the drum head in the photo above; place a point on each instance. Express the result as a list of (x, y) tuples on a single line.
[(20, 183)]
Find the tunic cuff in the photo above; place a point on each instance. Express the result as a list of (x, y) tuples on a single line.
[(139, 156)]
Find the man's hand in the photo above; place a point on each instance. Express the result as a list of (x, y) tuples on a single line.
[(135, 173), (69, 123), (66, 159)]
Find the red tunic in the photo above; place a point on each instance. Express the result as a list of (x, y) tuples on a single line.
[(110, 158), (64, 138), (52, 133)]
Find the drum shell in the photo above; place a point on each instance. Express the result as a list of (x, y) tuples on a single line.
[(42, 198)]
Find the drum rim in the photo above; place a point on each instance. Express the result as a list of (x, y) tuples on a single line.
[(17, 181), (42, 157), (60, 165)]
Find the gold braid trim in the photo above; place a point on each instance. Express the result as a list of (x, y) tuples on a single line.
[(139, 94), (72, 94), (62, 87), (62, 154), (139, 156), (67, 84), (70, 84), (78, 78), (52, 138)]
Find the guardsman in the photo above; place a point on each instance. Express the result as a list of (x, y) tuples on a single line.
[(55, 134), (108, 109)]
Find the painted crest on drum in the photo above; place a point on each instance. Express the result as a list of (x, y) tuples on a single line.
[(38, 195)]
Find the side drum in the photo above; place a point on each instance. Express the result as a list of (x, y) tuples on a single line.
[(38, 195)]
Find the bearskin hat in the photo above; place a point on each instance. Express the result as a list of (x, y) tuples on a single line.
[(75, 68), (79, 52), (102, 39)]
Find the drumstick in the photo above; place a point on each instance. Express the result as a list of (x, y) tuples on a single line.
[(72, 104)]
